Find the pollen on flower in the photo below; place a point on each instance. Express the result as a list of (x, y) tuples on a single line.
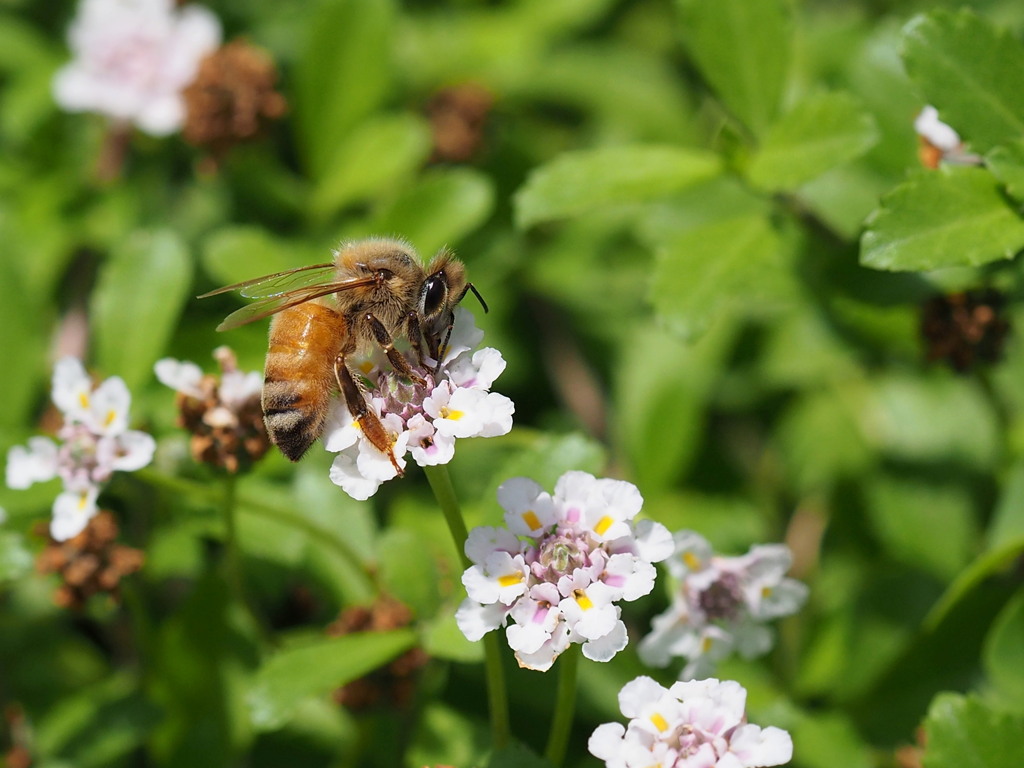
[(603, 525), (510, 579), (692, 561), (531, 520), (581, 598), (659, 722)]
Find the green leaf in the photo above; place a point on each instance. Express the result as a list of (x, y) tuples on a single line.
[(15, 558), (517, 755), (1004, 653), (407, 571), (579, 181), (142, 288), (970, 71), (374, 156), (898, 416), (923, 522), (1006, 162), (235, 253), (660, 414), (294, 674), (743, 50), (439, 209), (343, 75), (964, 732), (732, 264), (820, 133), (952, 216)]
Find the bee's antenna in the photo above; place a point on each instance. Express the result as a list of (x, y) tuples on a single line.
[(478, 297)]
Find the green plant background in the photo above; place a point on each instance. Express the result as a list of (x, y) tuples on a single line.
[(704, 235)]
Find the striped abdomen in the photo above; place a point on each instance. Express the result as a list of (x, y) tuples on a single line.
[(299, 377)]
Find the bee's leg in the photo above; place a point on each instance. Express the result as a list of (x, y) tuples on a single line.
[(444, 344), (361, 411), (415, 334), (397, 360)]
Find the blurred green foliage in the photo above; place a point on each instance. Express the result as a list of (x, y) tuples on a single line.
[(689, 220)]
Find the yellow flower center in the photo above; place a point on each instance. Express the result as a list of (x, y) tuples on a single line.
[(692, 561), (659, 722), (582, 599), (603, 525), (83, 399), (531, 519), (111, 415), (451, 415), (510, 579)]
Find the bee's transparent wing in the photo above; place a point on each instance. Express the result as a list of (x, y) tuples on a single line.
[(274, 293), (280, 282)]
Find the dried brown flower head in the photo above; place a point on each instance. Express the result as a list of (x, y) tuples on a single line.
[(393, 684), (88, 563), (965, 328), (223, 414), (232, 97), (458, 116)]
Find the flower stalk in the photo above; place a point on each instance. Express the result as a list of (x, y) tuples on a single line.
[(565, 707), (441, 485)]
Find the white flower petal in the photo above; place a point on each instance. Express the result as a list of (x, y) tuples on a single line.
[(72, 511), (72, 389), (135, 450), (181, 376), (346, 474), (35, 464), (605, 647), (475, 620)]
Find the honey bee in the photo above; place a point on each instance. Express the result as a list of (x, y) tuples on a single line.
[(374, 292)]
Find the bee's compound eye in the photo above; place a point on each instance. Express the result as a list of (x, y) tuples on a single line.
[(435, 293)]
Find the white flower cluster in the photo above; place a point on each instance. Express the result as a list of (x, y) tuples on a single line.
[(423, 420), (133, 58), (95, 442), (696, 724), (235, 390), (560, 566), (720, 605)]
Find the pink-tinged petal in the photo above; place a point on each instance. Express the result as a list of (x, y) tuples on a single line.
[(72, 511), (35, 464), (527, 638), (475, 620)]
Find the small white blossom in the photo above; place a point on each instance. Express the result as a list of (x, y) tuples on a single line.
[(133, 58), (944, 141), (95, 443), (720, 605), (424, 421), (697, 724), (560, 567)]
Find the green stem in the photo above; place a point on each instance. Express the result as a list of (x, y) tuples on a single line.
[(565, 705), (250, 504), (441, 485)]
